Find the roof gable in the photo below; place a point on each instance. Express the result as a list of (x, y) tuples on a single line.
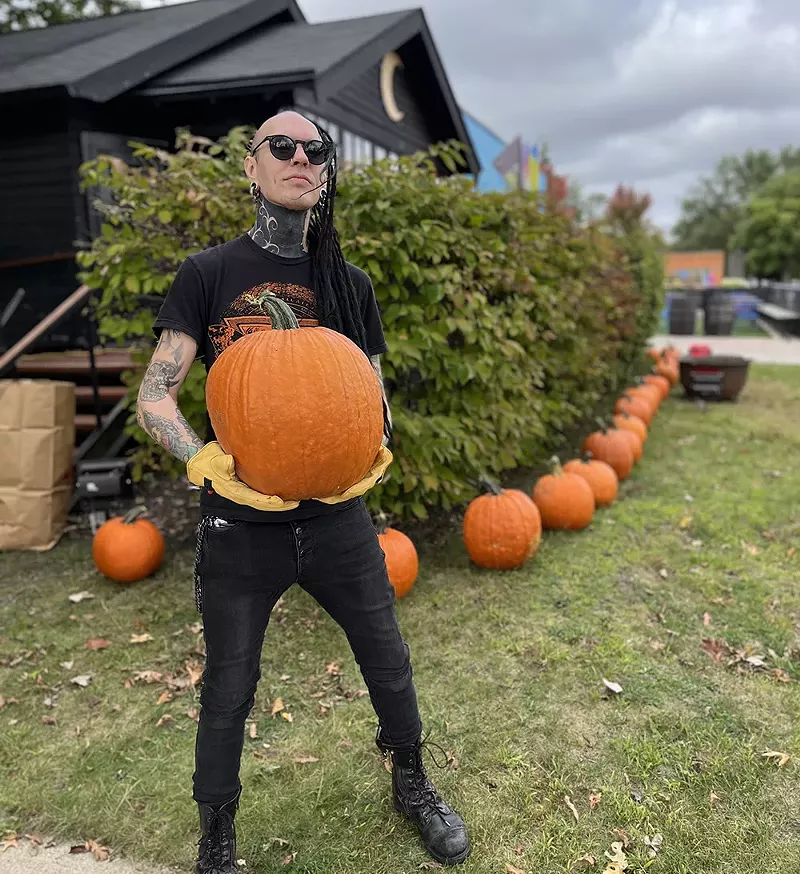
[(101, 58)]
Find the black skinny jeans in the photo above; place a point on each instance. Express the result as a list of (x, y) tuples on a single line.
[(242, 570)]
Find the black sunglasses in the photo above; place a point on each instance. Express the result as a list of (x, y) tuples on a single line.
[(283, 148)]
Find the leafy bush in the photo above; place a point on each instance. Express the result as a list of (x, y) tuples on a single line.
[(505, 324)]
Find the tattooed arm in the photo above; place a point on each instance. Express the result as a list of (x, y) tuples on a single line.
[(157, 408), (375, 360)]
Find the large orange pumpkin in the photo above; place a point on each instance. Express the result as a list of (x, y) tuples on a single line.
[(128, 548), (601, 477), (661, 383), (669, 369), (502, 527), (652, 353), (650, 393), (299, 409), (610, 445), (565, 500), (627, 422), (635, 442), (636, 406), (402, 561)]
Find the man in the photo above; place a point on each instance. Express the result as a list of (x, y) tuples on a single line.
[(247, 558)]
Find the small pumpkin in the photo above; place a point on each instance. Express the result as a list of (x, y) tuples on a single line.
[(653, 354), (128, 548), (636, 406), (502, 528), (610, 445), (299, 409), (635, 441), (669, 369), (602, 478), (402, 561), (627, 422), (649, 392), (660, 382), (565, 500)]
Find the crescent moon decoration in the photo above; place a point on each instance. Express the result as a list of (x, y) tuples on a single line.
[(391, 62)]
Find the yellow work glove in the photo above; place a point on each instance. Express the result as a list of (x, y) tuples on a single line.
[(212, 465)]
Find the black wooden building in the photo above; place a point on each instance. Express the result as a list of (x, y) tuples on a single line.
[(72, 91)]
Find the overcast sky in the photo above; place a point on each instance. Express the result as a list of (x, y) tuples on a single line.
[(648, 92)]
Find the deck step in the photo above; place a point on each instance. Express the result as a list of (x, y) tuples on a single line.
[(85, 422), (108, 393), (74, 362)]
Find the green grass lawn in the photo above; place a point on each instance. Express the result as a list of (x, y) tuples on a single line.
[(509, 670)]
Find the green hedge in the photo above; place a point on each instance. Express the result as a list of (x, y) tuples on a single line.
[(505, 324)]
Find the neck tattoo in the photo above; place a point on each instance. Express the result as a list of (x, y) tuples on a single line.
[(280, 230)]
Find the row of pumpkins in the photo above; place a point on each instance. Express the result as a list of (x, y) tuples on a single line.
[(502, 528), (263, 424)]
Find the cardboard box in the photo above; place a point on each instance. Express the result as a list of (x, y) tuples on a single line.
[(31, 519), (37, 440)]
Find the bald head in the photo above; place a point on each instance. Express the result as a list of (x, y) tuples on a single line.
[(294, 183)]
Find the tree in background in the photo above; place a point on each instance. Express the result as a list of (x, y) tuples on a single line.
[(28, 14), (586, 207), (714, 206), (769, 229), (626, 209)]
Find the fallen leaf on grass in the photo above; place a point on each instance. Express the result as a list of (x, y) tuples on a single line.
[(715, 648), (82, 680), (80, 596), (194, 714), (253, 731), (510, 869), (782, 758), (571, 806), (287, 860), (67, 665), (594, 801), (780, 675), (100, 852), (148, 676), (277, 706), (164, 720), (141, 638), (653, 845), (9, 840), (713, 798), (49, 720), (333, 669), (97, 643), (281, 842), (287, 716), (164, 697), (790, 552), (624, 837), (452, 762), (586, 861), (663, 573), (685, 522), (753, 550), (706, 619), (657, 645), (618, 859), (305, 760), (612, 687)]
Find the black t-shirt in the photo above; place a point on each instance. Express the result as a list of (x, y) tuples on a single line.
[(210, 301)]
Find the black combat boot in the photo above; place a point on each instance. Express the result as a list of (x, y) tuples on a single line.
[(442, 830), (217, 846)]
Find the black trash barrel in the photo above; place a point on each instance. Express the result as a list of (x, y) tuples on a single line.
[(682, 314)]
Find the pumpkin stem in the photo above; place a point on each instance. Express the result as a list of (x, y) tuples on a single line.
[(603, 425), (381, 522), (133, 514), (587, 456), (555, 466), (280, 314), (487, 484)]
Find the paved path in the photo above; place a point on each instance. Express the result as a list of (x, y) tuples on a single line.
[(764, 350), (30, 858)]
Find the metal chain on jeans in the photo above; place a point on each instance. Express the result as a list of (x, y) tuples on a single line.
[(198, 555)]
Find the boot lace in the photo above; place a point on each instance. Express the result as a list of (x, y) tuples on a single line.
[(422, 792), (215, 845)]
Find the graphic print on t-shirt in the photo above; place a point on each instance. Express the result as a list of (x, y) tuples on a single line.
[(246, 314)]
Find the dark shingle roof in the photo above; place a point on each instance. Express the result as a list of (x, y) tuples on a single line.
[(297, 48), (103, 57)]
